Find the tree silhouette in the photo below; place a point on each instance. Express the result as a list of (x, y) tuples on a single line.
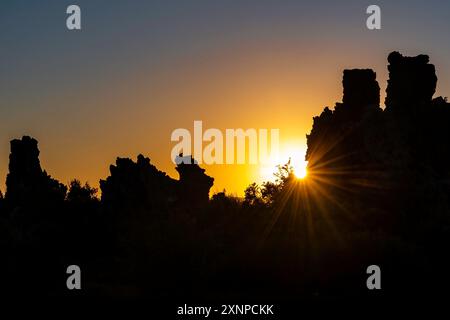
[(79, 193)]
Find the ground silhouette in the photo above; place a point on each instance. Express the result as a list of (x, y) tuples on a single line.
[(377, 192)]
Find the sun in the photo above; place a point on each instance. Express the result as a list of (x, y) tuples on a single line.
[(301, 170), (296, 153)]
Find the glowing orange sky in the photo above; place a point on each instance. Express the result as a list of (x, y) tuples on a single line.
[(120, 90), (250, 90)]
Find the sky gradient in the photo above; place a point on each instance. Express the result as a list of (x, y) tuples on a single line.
[(140, 69)]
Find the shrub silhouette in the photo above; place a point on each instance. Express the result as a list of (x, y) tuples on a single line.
[(79, 193)]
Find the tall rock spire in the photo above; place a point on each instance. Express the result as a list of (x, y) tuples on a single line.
[(412, 81), (361, 88), (26, 181)]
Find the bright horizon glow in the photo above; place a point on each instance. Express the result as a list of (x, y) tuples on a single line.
[(296, 153), (301, 172), (120, 89)]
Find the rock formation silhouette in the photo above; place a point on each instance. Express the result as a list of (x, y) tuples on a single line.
[(142, 184), (337, 139), (194, 184), (412, 81), (27, 183), (361, 90), (401, 150), (137, 183)]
